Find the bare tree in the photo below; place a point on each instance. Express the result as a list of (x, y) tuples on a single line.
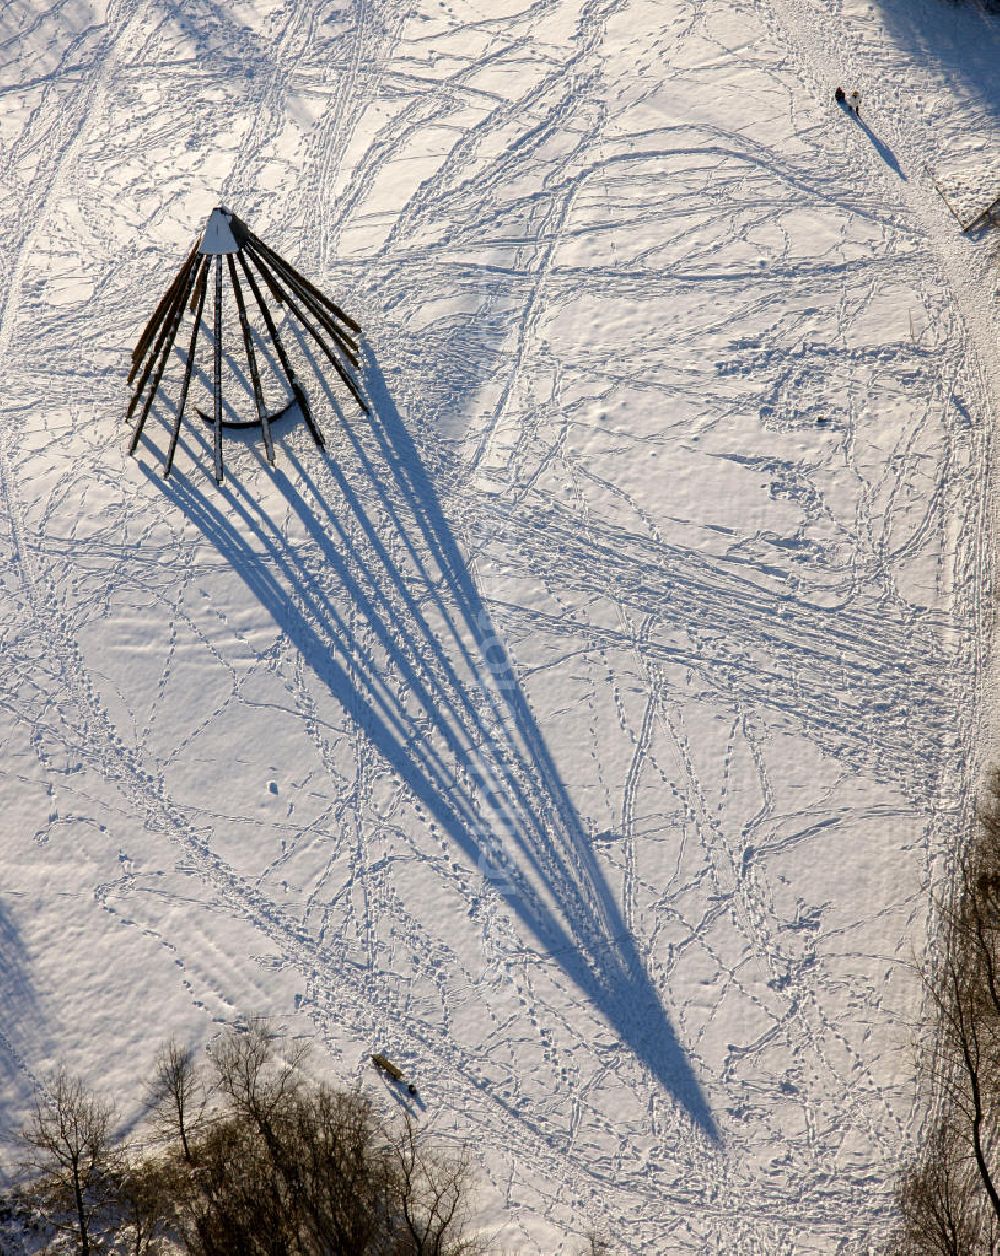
[(335, 1161), (143, 1198), (936, 1202), (255, 1078), (257, 1161), (950, 1198), (72, 1154), (432, 1195), (228, 1200), (178, 1093)]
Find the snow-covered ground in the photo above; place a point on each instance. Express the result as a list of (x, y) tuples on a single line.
[(586, 729)]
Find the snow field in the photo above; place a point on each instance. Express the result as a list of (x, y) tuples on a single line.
[(587, 730)]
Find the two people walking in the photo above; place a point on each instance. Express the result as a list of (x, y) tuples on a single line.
[(851, 99)]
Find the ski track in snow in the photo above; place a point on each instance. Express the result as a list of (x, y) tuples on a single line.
[(589, 729)]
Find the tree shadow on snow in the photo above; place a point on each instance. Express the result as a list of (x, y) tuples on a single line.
[(381, 604), (19, 1027), (961, 39)]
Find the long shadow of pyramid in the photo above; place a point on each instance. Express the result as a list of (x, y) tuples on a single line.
[(417, 664)]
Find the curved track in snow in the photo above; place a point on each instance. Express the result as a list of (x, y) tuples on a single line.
[(588, 728)]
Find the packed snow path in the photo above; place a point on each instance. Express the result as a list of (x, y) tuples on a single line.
[(586, 728)]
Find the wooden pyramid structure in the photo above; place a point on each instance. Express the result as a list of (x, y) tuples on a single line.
[(228, 244)]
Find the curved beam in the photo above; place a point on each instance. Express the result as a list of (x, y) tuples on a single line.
[(286, 365)]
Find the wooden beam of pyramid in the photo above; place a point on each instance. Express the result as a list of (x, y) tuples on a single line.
[(248, 260)]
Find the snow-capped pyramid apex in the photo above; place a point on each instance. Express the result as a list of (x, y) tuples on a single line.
[(218, 237), (268, 277)]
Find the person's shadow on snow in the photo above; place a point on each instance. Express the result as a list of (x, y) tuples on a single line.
[(880, 146)]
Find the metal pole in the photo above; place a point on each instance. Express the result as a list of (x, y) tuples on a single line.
[(160, 313), (174, 312), (163, 348), (299, 314), (259, 244), (347, 344), (202, 289), (258, 393), (293, 383), (217, 375)]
